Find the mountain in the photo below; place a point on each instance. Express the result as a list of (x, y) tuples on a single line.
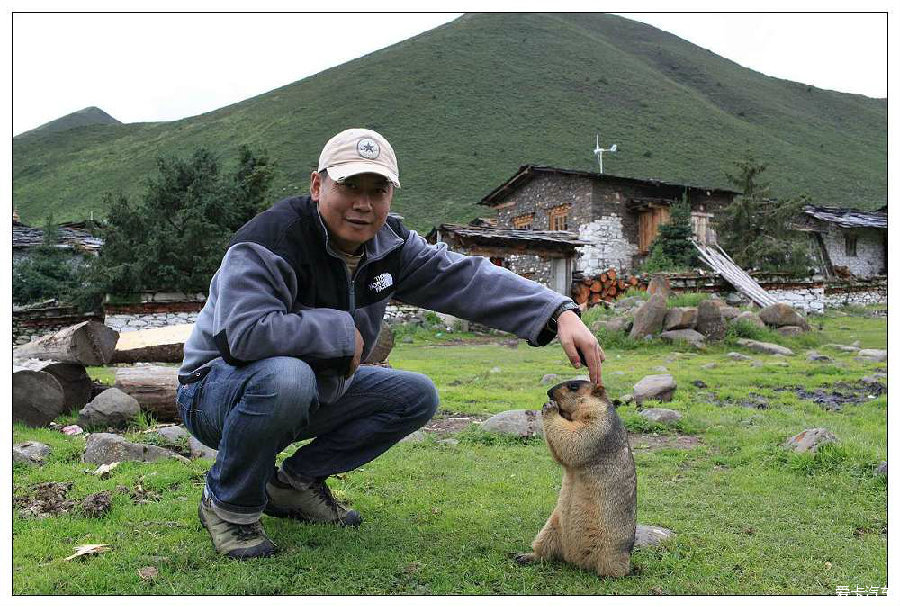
[(87, 117), (466, 104)]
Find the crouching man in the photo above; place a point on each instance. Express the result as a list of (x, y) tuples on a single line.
[(296, 304)]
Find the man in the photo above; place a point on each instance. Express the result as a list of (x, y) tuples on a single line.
[(295, 306)]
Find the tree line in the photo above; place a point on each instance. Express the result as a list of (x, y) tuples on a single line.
[(173, 237)]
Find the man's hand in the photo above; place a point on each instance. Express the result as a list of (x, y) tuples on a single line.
[(577, 340), (357, 356)]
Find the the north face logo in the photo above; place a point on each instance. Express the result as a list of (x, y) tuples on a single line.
[(381, 282)]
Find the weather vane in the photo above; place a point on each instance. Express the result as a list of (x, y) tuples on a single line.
[(598, 152)]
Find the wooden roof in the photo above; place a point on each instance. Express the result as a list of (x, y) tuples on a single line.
[(537, 239)]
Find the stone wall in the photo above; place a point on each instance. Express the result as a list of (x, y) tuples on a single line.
[(870, 250), (31, 324), (860, 293), (543, 193), (532, 267), (612, 249), (133, 322), (152, 309)]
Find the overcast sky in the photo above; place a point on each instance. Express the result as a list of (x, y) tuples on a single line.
[(149, 67)]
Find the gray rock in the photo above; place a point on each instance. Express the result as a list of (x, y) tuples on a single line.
[(647, 536), (689, 335), (709, 320), (750, 317), (659, 284), (873, 355), (734, 298), (764, 347), (661, 416), (448, 441), (549, 378), (875, 378), (882, 469), (597, 325), (790, 331), (173, 435), (416, 437), (843, 348), (708, 366), (660, 369), (813, 356), (810, 440), (406, 340), (111, 407), (782, 315), (103, 448), (495, 370), (517, 422), (649, 318), (31, 452), (621, 323), (680, 318), (201, 451), (627, 303), (737, 356), (729, 313), (655, 387)]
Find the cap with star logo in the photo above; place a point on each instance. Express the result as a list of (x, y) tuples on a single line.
[(356, 151)]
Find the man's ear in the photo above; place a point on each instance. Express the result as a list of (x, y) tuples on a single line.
[(315, 185)]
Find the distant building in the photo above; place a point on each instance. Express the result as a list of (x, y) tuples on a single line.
[(618, 216), (72, 236), (851, 243)]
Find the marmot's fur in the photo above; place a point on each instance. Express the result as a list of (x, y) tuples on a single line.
[(593, 524)]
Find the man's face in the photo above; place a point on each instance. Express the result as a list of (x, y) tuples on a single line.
[(353, 210)]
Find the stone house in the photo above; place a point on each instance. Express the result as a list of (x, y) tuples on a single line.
[(850, 243), (618, 216), (544, 256)]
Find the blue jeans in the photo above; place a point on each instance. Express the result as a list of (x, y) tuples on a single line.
[(253, 412)]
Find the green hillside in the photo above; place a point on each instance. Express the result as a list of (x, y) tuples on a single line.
[(466, 104), (89, 116)]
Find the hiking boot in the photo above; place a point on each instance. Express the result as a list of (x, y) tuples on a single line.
[(309, 500), (233, 540)]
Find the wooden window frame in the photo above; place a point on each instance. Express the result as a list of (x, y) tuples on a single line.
[(557, 213), (524, 222), (850, 241)]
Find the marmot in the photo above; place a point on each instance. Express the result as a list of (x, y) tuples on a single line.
[(593, 524)]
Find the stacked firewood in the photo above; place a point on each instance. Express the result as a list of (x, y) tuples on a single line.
[(606, 286)]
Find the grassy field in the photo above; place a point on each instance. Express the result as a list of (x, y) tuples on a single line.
[(750, 517)]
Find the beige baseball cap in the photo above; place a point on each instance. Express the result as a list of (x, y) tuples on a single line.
[(356, 151)]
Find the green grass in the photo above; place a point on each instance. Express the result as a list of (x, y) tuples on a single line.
[(751, 517), (466, 104)]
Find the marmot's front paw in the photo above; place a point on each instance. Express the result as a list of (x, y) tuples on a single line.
[(525, 558), (550, 407)]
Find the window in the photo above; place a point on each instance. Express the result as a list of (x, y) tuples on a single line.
[(524, 222), (850, 244), (559, 218)]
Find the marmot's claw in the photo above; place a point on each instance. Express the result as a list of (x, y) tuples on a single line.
[(524, 558), (550, 407)]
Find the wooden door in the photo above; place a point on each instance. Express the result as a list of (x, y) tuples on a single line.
[(649, 221)]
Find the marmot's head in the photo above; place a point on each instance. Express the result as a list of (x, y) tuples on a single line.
[(575, 395)]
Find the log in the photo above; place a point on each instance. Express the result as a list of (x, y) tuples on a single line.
[(153, 386), (87, 343), (622, 285), (383, 346), (159, 345), (38, 398), (596, 287), (73, 379), (595, 297), (611, 273), (604, 277), (581, 294)]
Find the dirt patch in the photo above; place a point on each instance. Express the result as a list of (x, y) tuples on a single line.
[(45, 499), (450, 422), (96, 504), (650, 442), (752, 401), (835, 396), (139, 495), (492, 340)]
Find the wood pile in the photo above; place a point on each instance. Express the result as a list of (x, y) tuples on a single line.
[(604, 287)]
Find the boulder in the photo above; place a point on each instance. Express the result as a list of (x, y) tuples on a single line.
[(728, 313), (655, 387), (109, 408), (517, 422), (843, 348), (790, 331), (37, 397), (661, 416), (416, 437), (881, 470), (648, 320), (31, 453), (646, 536), (627, 303), (738, 357), (680, 318), (201, 451), (103, 448), (813, 356), (173, 435), (782, 315), (689, 335), (660, 284), (810, 440), (873, 355), (709, 366), (764, 347), (621, 323), (750, 317), (709, 320), (549, 378)]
